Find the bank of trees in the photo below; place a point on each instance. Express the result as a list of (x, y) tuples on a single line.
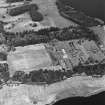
[(46, 35), (41, 76), (90, 70), (51, 76)]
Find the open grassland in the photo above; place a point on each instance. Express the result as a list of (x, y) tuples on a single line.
[(47, 8)]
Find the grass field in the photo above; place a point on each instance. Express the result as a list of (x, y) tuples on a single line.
[(19, 23), (29, 58)]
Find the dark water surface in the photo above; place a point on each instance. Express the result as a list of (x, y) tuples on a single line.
[(94, 8), (98, 99)]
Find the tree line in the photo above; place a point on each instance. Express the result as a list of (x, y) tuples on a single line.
[(51, 76), (46, 35)]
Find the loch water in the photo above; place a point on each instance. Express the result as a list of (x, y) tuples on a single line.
[(94, 8)]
